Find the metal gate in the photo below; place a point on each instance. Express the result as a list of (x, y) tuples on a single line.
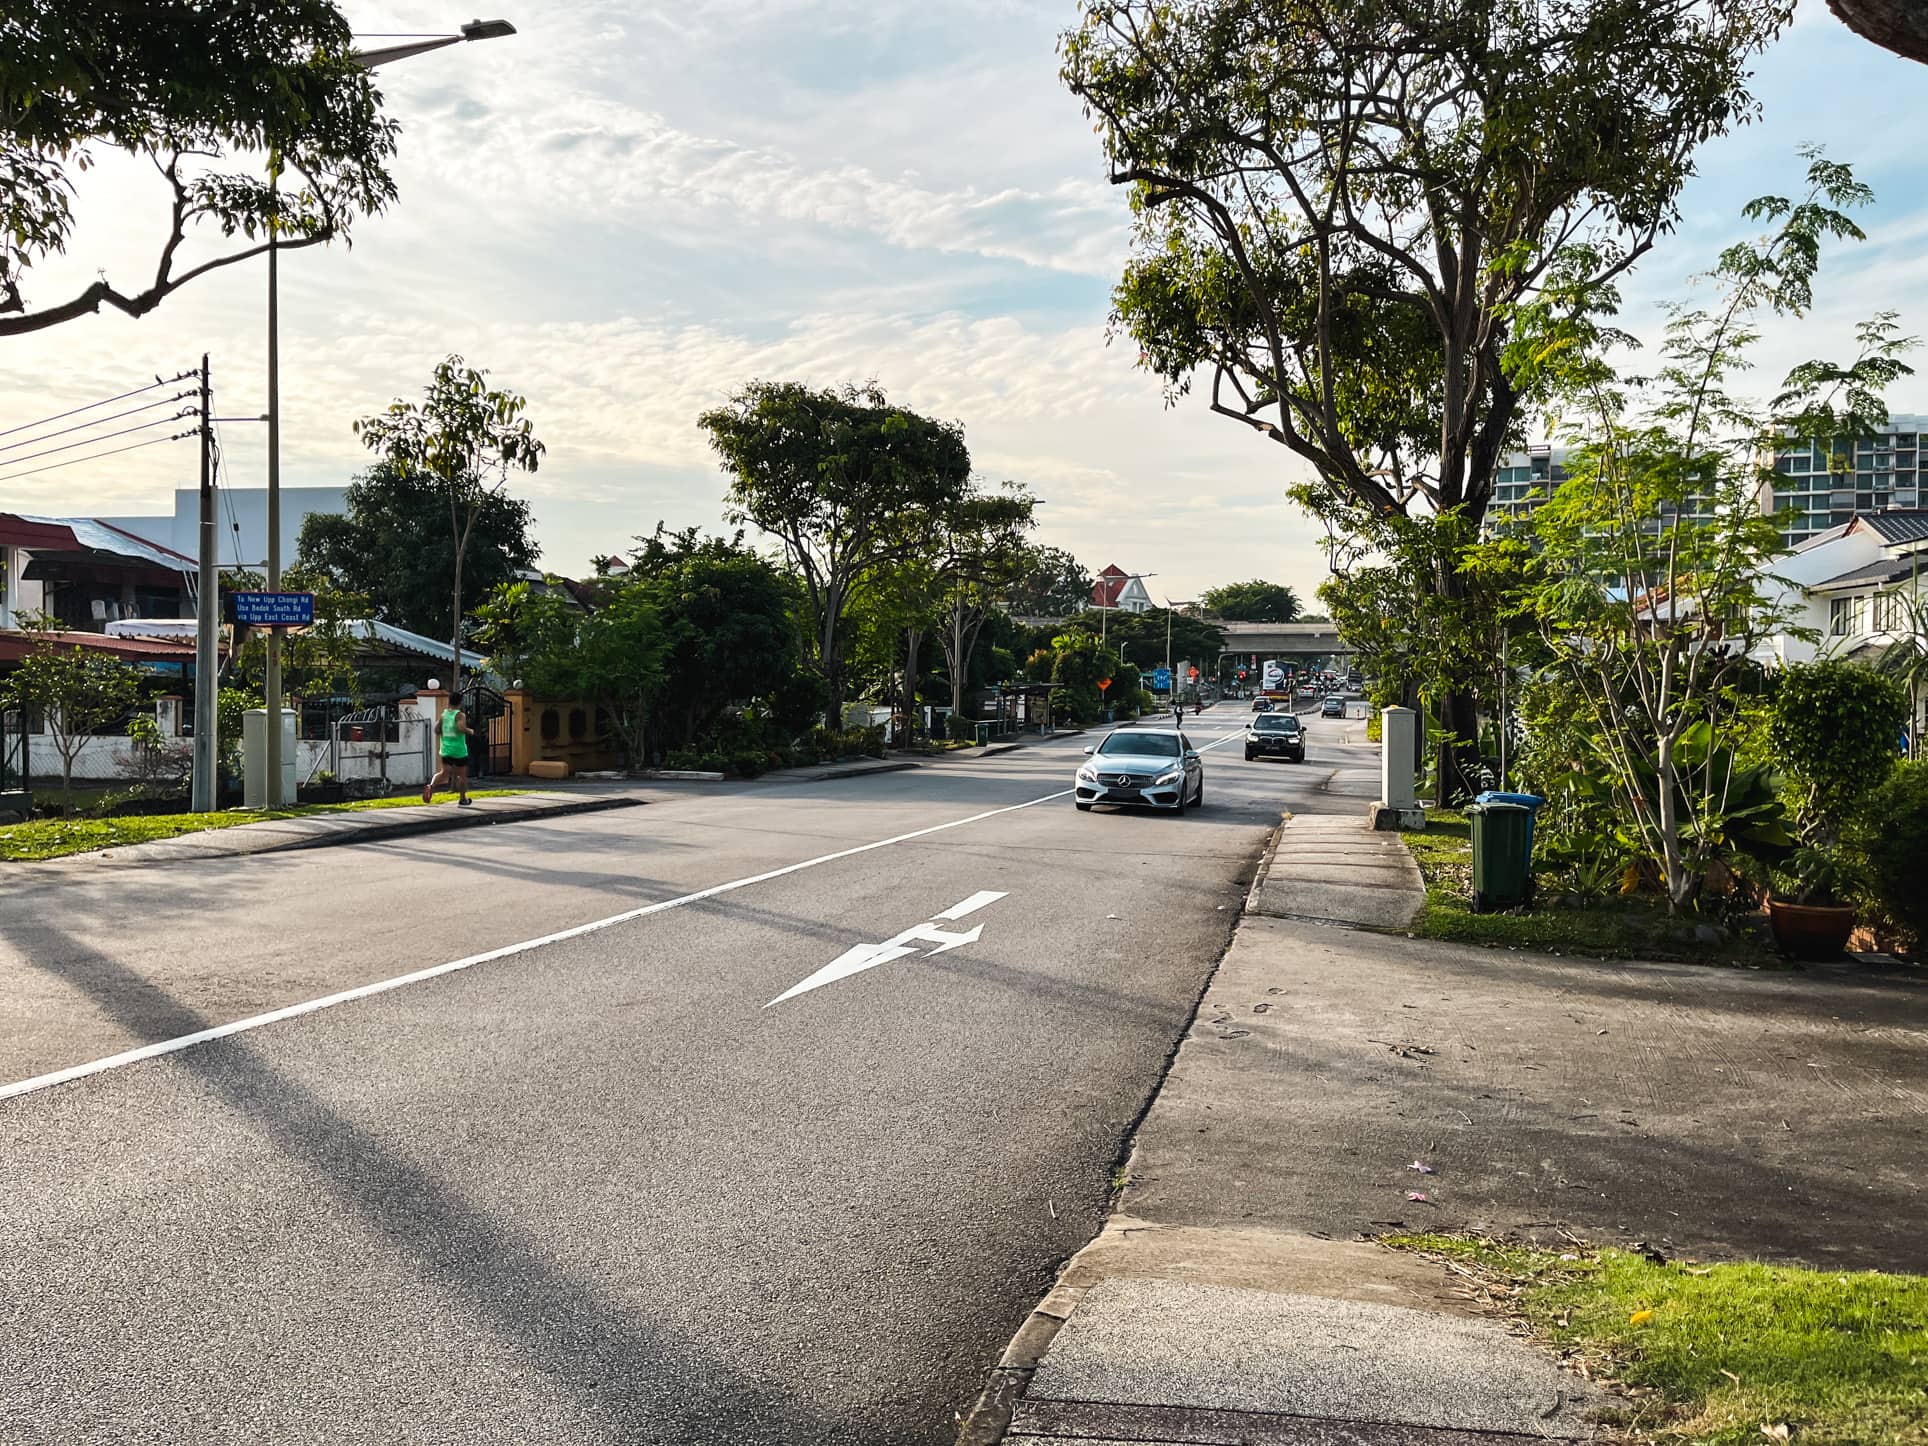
[(15, 797), (490, 753)]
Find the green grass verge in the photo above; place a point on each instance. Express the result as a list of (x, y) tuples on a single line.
[(1719, 1355), (53, 838), (1611, 928)]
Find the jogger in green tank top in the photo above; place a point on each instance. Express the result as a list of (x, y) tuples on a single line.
[(453, 751)]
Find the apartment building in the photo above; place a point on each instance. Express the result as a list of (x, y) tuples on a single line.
[(1821, 486)]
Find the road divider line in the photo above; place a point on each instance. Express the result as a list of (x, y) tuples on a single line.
[(383, 986)]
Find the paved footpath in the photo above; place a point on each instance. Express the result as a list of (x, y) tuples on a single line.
[(501, 1135), (1235, 1297)]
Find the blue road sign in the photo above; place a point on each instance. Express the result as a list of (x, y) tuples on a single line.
[(1161, 680), (273, 609)]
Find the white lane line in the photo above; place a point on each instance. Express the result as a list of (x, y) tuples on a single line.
[(349, 996)]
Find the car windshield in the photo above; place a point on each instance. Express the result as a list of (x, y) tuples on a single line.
[(1280, 723), (1143, 745)]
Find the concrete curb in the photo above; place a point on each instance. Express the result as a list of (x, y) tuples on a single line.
[(1266, 855), (454, 819), (235, 842), (989, 1419)]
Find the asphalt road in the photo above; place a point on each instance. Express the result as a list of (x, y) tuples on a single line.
[(597, 1188)]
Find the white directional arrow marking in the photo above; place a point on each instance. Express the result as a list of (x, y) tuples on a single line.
[(868, 956)]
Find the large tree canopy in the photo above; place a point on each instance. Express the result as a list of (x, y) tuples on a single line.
[(728, 619), (1050, 583), (394, 546), (463, 438), (847, 482), (1345, 206), (181, 85), (1252, 602)]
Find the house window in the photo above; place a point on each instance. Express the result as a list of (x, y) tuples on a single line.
[(1890, 616), (1844, 616)]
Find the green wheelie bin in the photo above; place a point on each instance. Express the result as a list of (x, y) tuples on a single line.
[(1502, 855)]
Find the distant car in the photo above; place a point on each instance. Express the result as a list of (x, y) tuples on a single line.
[(1261, 705), (1277, 735), (1333, 707), (1148, 767)]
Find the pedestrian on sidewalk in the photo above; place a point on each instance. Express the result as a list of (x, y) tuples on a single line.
[(455, 733)]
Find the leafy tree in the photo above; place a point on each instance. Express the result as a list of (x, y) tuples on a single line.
[(846, 481), (1649, 581), (393, 545), (182, 86), (1050, 583), (1834, 727), (1892, 837), (1252, 602), (979, 551), (612, 656), (728, 623), (1073, 665), (461, 442), (1343, 206), (78, 692)]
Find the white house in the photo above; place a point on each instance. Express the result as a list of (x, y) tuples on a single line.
[(1855, 585), (1117, 590)]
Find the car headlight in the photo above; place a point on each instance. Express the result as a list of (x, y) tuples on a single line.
[(1172, 777), (1087, 775)]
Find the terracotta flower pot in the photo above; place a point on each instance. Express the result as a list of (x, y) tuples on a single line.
[(1810, 931)]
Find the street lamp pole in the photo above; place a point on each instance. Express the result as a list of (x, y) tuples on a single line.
[(271, 679)]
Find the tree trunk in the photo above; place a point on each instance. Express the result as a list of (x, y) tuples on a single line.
[(455, 631), (1671, 862), (1897, 25), (1458, 711), (913, 644)]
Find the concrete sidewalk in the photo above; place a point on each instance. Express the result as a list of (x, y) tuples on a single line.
[(1332, 868), (1238, 1294), (370, 825)]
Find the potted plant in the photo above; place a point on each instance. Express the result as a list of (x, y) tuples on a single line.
[(1811, 908), (1832, 727)]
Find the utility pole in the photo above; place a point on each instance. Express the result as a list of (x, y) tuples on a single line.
[(207, 664), (271, 681)]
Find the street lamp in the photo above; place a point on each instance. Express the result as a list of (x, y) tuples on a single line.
[(271, 681)]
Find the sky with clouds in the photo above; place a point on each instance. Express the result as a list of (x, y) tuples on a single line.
[(628, 209)]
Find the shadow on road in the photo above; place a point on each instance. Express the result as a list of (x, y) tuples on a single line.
[(646, 1386)]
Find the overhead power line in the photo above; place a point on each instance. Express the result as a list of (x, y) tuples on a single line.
[(103, 402), (96, 422), (111, 452), (181, 415)]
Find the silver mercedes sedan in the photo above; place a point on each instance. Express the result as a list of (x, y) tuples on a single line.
[(1150, 767)]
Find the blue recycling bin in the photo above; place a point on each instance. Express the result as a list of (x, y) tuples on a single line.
[(1531, 802)]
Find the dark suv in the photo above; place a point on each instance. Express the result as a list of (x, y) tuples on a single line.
[(1275, 735)]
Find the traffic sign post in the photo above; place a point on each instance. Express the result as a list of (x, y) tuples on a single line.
[(272, 609)]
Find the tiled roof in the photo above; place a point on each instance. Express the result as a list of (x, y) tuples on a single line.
[(1873, 574), (1899, 524), (15, 646)]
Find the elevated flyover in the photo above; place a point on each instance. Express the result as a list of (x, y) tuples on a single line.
[(1285, 640)]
